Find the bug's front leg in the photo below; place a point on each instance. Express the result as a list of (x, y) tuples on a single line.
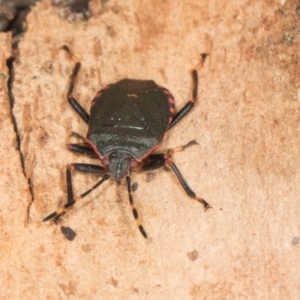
[(85, 168), (155, 161), (185, 185)]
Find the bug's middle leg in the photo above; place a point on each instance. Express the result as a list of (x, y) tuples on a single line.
[(82, 148)]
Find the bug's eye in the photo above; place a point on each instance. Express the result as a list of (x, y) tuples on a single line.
[(105, 161), (133, 163)]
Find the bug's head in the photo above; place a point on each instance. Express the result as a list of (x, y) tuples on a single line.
[(118, 164)]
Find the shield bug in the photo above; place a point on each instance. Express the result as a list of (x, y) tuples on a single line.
[(127, 122)]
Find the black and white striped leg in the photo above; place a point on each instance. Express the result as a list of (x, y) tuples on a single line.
[(134, 211), (86, 168)]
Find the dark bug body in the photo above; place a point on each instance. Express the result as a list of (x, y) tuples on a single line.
[(127, 122)]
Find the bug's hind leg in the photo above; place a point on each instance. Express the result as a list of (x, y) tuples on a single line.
[(190, 104), (73, 102)]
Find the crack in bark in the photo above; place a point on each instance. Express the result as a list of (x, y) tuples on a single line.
[(10, 82)]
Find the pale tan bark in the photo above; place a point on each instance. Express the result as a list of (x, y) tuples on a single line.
[(246, 164)]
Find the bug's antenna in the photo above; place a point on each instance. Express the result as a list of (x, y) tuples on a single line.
[(134, 211), (62, 210)]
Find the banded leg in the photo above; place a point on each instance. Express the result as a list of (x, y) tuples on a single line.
[(134, 211), (155, 161), (158, 160), (86, 168), (73, 102), (190, 104)]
